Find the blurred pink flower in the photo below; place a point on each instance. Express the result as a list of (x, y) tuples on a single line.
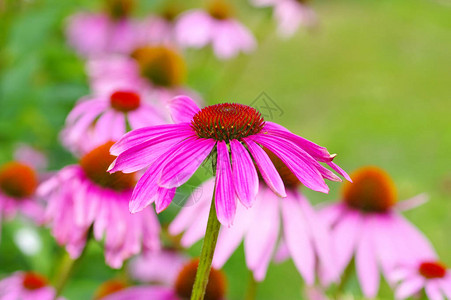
[(160, 267), (158, 70), (289, 14), (18, 183), (26, 286), (85, 196), (175, 152), (305, 235), (30, 156), (216, 26), (96, 34), (428, 274), (179, 290), (366, 224), (105, 115)]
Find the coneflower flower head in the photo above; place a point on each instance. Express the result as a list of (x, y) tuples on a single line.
[(233, 136)]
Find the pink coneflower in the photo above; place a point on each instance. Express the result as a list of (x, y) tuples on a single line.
[(289, 14), (174, 152), (95, 34), (161, 267), (216, 26), (105, 115), (430, 275), (262, 226), (26, 286), (18, 182), (84, 196), (366, 224), (180, 289)]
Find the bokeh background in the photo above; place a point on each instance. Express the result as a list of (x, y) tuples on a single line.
[(372, 82)]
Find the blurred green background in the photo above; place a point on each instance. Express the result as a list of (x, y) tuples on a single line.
[(372, 82)]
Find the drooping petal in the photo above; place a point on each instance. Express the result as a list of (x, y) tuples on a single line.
[(266, 168), (409, 287), (225, 192), (245, 178), (366, 264), (141, 135), (297, 239), (194, 29), (230, 237), (412, 202), (262, 234), (432, 289), (185, 161), (182, 109), (143, 293), (345, 237), (163, 197), (339, 170), (301, 164), (144, 154)]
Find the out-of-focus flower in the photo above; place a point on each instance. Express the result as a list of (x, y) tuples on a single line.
[(109, 287), (430, 275), (181, 288), (175, 152), (26, 286), (161, 267), (216, 26), (289, 14), (105, 115), (113, 31), (367, 224), (306, 237), (18, 183), (84, 196), (160, 70)]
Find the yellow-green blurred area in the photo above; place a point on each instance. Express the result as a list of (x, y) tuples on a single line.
[(371, 82)]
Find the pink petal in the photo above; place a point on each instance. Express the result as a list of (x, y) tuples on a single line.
[(190, 154), (231, 237), (446, 285), (245, 178), (266, 168), (182, 109), (432, 289), (225, 193), (163, 198), (297, 239), (339, 170), (301, 164), (345, 236), (366, 264), (412, 202), (139, 136), (409, 287), (143, 293), (316, 151), (194, 29), (144, 154), (261, 237)]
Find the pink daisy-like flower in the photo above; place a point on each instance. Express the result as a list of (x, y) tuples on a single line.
[(95, 34), (289, 14), (181, 287), (26, 286), (261, 227), (18, 183), (216, 26), (229, 134), (85, 196), (105, 115), (367, 225), (430, 275), (161, 267)]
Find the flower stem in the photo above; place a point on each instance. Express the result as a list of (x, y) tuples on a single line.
[(251, 292), (64, 273), (206, 255)]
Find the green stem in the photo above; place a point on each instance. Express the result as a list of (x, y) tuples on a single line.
[(344, 280), (206, 255), (64, 273), (251, 292)]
